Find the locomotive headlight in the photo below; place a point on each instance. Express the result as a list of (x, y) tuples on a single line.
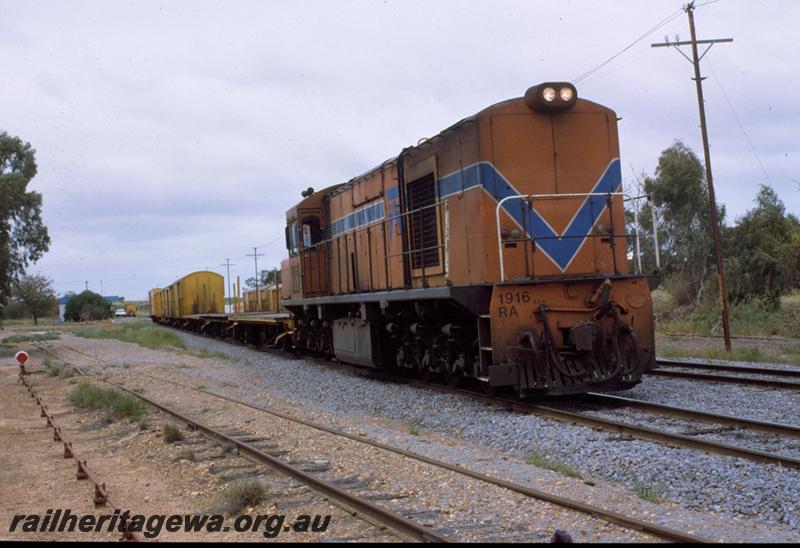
[(551, 96)]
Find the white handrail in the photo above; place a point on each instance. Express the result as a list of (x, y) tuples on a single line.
[(531, 197)]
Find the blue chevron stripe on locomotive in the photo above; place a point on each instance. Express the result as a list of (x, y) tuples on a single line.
[(561, 248)]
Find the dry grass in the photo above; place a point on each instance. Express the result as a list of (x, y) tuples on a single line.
[(243, 493), (172, 433), (543, 461)]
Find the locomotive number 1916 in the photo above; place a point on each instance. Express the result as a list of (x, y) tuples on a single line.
[(512, 297), (509, 300)]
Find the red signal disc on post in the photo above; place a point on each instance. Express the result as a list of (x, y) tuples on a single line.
[(21, 357)]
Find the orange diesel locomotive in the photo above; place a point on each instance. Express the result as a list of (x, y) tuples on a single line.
[(494, 251)]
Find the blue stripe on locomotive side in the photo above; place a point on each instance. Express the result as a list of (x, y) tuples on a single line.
[(561, 248)]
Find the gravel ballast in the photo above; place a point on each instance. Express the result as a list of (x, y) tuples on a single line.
[(696, 480)]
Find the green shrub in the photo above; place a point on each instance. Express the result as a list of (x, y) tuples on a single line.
[(41, 337), (662, 302), (62, 370), (648, 493), (789, 316), (142, 333), (543, 461), (86, 306), (739, 353), (118, 404), (753, 317)]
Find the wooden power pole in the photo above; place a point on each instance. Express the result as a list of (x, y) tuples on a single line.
[(228, 265), (255, 255), (695, 61)]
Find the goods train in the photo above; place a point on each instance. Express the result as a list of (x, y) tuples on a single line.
[(495, 251)]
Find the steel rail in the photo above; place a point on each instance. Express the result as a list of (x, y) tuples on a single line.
[(750, 424), (731, 368), (753, 381), (595, 511), (776, 338), (662, 436), (402, 525)]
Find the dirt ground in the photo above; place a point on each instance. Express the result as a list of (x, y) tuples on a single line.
[(142, 472)]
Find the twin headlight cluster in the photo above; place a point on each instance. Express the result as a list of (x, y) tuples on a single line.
[(551, 96)]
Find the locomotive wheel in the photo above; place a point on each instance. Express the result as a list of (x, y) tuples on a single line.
[(453, 379), (425, 374), (488, 389)]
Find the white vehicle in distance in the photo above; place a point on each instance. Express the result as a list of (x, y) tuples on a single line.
[(120, 313)]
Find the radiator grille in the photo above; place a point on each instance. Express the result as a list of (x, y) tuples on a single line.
[(424, 235)]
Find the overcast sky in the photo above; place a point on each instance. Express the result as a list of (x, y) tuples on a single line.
[(172, 135)]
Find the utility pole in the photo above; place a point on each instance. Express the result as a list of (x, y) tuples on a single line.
[(228, 265), (255, 255), (86, 285), (695, 61)]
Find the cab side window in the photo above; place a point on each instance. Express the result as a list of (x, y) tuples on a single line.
[(311, 231), (291, 238)]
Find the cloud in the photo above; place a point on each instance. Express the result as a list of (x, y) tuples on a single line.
[(171, 135)]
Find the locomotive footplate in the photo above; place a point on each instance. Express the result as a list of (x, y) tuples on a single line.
[(560, 338)]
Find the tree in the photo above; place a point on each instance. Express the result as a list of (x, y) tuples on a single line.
[(23, 236), (686, 246), (762, 250), (36, 294), (86, 306), (267, 278)]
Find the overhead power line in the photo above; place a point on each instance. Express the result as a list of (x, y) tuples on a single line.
[(663, 22), (738, 121)]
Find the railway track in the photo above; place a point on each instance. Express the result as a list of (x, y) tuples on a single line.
[(709, 372), (775, 338), (585, 419), (665, 437), (610, 516), (369, 511), (787, 430), (356, 505)]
